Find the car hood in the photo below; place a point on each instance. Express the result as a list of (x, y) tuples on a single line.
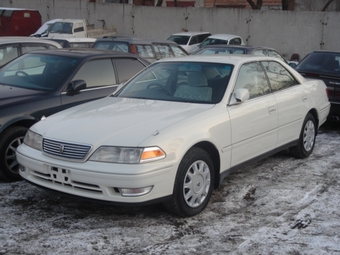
[(116, 121), (12, 95)]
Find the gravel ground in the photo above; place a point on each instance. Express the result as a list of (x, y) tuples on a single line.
[(280, 205)]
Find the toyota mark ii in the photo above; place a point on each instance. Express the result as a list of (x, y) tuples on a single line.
[(172, 133)]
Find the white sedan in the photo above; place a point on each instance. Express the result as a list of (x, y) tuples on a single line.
[(175, 131)]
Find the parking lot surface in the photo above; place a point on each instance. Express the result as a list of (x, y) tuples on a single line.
[(281, 205)]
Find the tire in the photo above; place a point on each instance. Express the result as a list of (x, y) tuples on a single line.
[(9, 141), (193, 184), (307, 137)]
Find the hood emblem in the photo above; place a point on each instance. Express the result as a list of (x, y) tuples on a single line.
[(61, 148)]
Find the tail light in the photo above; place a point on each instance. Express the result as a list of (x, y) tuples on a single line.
[(133, 49)]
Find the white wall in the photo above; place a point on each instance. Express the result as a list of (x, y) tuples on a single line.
[(287, 31)]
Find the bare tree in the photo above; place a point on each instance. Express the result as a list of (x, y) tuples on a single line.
[(326, 5), (256, 6)]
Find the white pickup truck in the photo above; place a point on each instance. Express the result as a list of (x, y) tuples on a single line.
[(79, 28)]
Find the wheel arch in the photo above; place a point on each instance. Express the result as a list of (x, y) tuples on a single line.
[(215, 157), (316, 117), (20, 122)]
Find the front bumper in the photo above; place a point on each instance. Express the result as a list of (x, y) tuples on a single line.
[(95, 180)]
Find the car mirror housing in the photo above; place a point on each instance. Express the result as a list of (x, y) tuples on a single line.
[(76, 85), (239, 96)]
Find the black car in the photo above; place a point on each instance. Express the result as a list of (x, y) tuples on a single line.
[(324, 65), (44, 82)]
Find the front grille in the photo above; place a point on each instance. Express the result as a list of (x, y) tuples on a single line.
[(65, 150)]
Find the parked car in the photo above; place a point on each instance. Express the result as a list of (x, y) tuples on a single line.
[(41, 83), (324, 65), (150, 50), (226, 39), (12, 47), (175, 131), (74, 42), (242, 49), (189, 40)]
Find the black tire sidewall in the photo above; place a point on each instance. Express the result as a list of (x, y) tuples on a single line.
[(6, 139)]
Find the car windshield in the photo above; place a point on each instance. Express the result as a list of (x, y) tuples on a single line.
[(115, 46), (179, 39), (193, 82), (222, 51), (37, 71), (321, 62), (210, 41)]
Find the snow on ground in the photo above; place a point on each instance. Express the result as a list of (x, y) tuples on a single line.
[(280, 205)]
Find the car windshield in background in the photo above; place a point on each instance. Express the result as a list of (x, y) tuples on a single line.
[(180, 81), (37, 72), (222, 51), (115, 46), (210, 41), (179, 39), (320, 62)]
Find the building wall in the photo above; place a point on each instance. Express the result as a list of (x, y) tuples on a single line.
[(287, 31)]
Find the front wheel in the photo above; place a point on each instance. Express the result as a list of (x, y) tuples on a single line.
[(307, 137), (193, 184), (9, 142)]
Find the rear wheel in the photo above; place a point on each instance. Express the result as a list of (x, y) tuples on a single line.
[(193, 184), (307, 137), (9, 142)]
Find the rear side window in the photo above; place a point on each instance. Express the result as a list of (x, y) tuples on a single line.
[(127, 68), (97, 73)]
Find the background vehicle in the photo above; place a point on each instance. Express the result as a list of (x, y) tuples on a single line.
[(175, 131), (45, 29), (241, 49), (79, 28), (12, 47), (18, 21), (41, 83), (189, 40), (151, 50), (227, 39), (324, 65), (74, 42)]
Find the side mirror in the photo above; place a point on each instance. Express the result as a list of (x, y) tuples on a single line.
[(239, 96), (76, 86)]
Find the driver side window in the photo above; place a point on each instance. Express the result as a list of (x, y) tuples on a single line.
[(252, 77)]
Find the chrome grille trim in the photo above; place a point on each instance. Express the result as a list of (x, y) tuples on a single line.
[(65, 150)]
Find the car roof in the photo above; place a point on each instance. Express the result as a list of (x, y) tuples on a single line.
[(84, 53), (72, 39), (223, 36), (230, 59), (25, 39), (191, 33), (248, 47)]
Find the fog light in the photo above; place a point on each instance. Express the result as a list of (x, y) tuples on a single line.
[(21, 168), (134, 192)]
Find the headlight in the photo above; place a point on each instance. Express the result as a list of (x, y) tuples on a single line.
[(127, 155), (33, 140)]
